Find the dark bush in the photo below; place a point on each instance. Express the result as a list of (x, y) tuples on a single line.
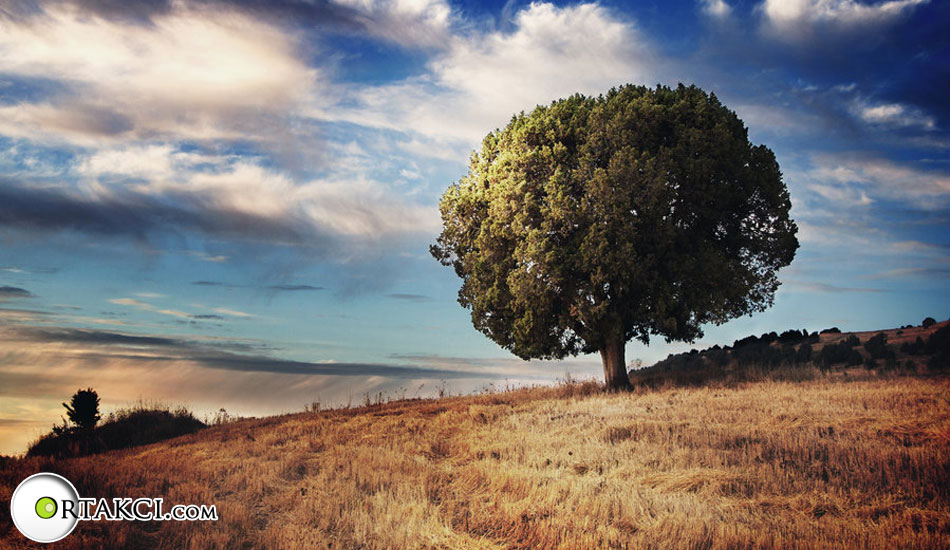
[(745, 342), (876, 346), (832, 330), (841, 352), (792, 336), (804, 353), (928, 322), (939, 345), (718, 357), (917, 347), (123, 429), (761, 353)]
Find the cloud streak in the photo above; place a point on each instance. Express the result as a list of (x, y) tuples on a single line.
[(13, 293), (219, 355)]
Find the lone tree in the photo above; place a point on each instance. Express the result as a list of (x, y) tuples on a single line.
[(83, 409), (595, 220)]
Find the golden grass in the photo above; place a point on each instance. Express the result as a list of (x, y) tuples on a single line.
[(829, 463)]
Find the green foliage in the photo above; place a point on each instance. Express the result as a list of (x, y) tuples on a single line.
[(642, 212), (83, 409)]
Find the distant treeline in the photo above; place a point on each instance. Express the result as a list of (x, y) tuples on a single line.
[(798, 354)]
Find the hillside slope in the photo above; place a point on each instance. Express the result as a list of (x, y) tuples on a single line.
[(848, 459)]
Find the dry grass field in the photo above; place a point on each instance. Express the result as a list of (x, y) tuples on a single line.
[(847, 459)]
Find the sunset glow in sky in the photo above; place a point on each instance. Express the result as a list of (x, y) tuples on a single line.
[(228, 203)]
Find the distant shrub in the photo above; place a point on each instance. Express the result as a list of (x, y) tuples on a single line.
[(123, 429), (804, 353), (939, 345), (718, 357), (745, 341), (841, 352), (760, 353), (928, 322), (876, 346), (917, 347), (832, 330), (792, 336)]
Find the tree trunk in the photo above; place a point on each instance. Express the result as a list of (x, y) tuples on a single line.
[(615, 367)]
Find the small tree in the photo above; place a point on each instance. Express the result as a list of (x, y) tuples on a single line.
[(83, 409), (928, 322), (599, 219)]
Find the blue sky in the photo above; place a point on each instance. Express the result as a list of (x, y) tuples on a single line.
[(228, 203)]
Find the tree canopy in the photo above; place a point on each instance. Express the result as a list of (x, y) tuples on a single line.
[(593, 220)]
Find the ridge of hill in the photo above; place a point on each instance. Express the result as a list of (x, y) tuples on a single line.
[(800, 355)]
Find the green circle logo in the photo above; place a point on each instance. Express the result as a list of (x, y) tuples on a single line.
[(46, 507)]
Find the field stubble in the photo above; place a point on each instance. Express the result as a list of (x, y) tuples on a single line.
[(827, 463)]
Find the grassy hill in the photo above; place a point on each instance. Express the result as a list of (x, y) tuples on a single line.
[(841, 457)]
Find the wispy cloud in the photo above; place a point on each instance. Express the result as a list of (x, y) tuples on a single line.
[(856, 178), (233, 312), (294, 288), (275, 287), (795, 21), (410, 297), (905, 272), (893, 114), (219, 355), (716, 8), (149, 307), (13, 293), (813, 286)]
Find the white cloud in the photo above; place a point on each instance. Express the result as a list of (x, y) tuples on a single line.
[(893, 114), (345, 203), (149, 307), (408, 22), (841, 194), (842, 177), (483, 79), (716, 8), (232, 312), (189, 74), (792, 19)]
